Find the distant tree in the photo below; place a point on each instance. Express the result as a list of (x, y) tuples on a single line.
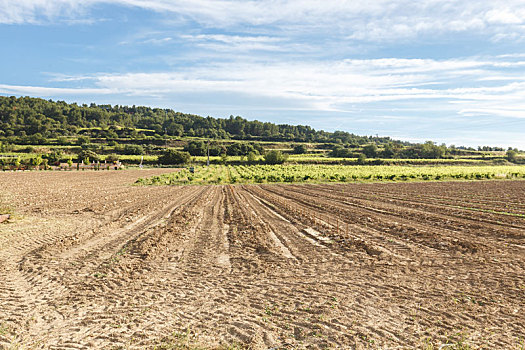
[(251, 158), (512, 155), (274, 157), (361, 160), (241, 149), (130, 149), (112, 158), (196, 148), (82, 140), (370, 150), (174, 157), (87, 156), (36, 161), (300, 149), (340, 152), (55, 156), (388, 151), (431, 151)]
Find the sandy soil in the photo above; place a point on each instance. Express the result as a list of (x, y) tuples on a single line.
[(89, 261)]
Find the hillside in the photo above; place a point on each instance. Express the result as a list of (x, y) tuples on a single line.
[(33, 119)]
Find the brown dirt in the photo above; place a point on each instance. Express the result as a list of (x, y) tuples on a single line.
[(89, 261)]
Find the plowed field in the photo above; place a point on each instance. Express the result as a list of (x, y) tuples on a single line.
[(89, 261)]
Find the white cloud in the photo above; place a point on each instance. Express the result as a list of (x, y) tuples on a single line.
[(51, 91), (378, 20), (455, 85), (222, 42), (505, 16)]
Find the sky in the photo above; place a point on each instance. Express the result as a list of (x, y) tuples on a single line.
[(450, 71)]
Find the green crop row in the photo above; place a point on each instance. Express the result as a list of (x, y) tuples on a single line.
[(245, 174)]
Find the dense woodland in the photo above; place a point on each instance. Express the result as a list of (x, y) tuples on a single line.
[(34, 119)]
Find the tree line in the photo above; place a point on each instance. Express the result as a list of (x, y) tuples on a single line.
[(33, 120)]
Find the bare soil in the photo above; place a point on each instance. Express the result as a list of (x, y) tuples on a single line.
[(89, 261)]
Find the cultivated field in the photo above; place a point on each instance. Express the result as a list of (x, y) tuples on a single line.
[(89, 261)]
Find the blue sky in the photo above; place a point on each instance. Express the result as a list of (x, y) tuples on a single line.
[(450, 71)]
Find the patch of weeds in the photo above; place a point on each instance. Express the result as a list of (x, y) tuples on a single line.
[(116, 257), (4, 329), (521, 344), (334, 302), (457, 342), (268, 311), (187, 340), (15, 344), (366, 338), (5, 208), (428, 344), (100, 275)]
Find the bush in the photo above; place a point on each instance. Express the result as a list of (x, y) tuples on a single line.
[(112, 158), (251, 158), (370, 151), (130, 149), (172, 156), (87, 156), (300, 149), (274, 157), (512, 155)]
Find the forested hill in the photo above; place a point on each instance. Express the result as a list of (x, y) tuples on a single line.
[(36, 118)]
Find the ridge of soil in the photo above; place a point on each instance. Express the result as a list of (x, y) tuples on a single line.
[(93, 262)]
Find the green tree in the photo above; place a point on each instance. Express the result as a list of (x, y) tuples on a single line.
[(512, 155), (87, 155), (112, 158), (274, 157), (361, 160), (36, 161), (174, 157), (251, 158), (300, 149), (196, 148), (370, 150), (82, 140), (432, 151)]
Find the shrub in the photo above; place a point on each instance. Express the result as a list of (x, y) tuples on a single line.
[(130, 149), (361, 159), (112, 158), (274, 157), (87, 155), (251, 158), (172, 156), (300, 149)]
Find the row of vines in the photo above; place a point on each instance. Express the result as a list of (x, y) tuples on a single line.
[(230, 174)]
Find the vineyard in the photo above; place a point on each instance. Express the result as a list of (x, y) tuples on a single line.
[(245, 174), (89, 261)]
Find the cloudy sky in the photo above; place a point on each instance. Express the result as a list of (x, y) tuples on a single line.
[(450, 71)]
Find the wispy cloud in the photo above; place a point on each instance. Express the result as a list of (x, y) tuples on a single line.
[(334, 85), (52, 91), (222, 42), (378, 20)]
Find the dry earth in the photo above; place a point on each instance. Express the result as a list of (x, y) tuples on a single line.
[(89, 261)]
